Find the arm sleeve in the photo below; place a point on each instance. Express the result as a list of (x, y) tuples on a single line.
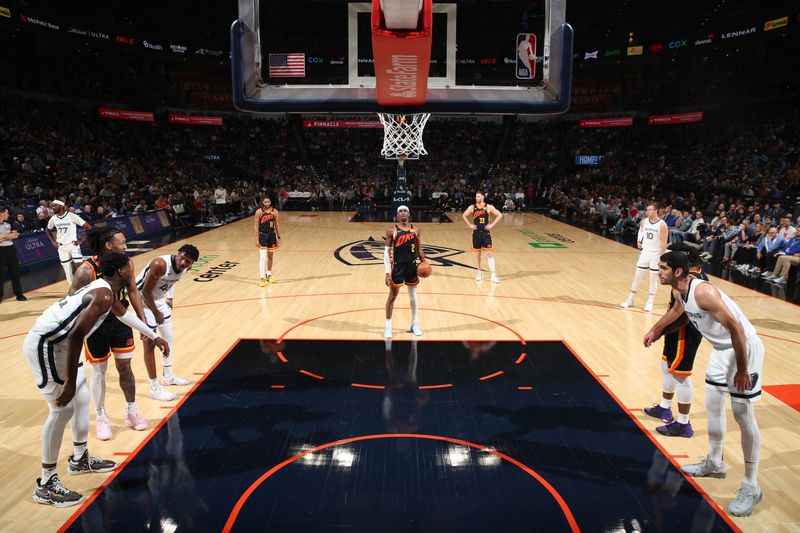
[(130, 319), (51, 224), (387, 263)]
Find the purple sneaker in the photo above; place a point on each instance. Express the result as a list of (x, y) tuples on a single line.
[(676, 429), (656, 411)]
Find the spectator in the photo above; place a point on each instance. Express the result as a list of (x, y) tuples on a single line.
[(788, 257)]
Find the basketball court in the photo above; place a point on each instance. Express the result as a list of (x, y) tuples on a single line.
[(519, 407)]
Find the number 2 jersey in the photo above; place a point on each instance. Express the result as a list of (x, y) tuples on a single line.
[(404, 246)]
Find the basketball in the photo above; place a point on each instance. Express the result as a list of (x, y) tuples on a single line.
[(424, 270)]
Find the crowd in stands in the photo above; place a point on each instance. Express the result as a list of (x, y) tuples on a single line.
[(720, 184), (729, 189)]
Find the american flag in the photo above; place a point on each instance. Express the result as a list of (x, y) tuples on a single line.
[(287, 65)]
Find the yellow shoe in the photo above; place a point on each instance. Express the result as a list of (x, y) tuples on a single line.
[(262, 282), (272, 279)]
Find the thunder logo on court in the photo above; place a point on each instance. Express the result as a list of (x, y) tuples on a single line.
[(370, 252)]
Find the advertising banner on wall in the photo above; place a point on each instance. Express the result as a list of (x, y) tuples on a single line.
[(194, 119), (124, 114), (36, 247), (334, 124), (679, 118), (615, 122)]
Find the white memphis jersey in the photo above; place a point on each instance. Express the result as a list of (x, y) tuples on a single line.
[(57, 321), (717, 334), (651, 235), (165, 283), (66, 227)]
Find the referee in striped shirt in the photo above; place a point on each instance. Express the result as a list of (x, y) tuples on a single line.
[(8, 256)]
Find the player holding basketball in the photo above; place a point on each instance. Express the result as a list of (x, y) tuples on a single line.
[(681, 341), (66, 239), (156, 284), (477, 218), (403, 247), (652, 241), (268, 233), (734, 368)]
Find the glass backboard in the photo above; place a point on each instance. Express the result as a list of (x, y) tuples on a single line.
[(316, 56)]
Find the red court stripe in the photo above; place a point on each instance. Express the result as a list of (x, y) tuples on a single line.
[(198, 373), (520, 358), (601, 375), (635, 409), (168, 406), (281, 357), (307, 373), (490, 376), (525, 388), (692, 481), (680, 456), (304, 322), (364, 386), (141, 445), (570, 518), (277, 386), (122, 453), (442, 386)]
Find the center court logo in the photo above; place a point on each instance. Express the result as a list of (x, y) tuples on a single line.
[(370, 252)]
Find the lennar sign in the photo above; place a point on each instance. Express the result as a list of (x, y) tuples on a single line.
[(739, 33)]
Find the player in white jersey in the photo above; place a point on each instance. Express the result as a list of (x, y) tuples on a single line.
[(52, 349), (652, 241), (734, 368), (66, 237), (156, 283)]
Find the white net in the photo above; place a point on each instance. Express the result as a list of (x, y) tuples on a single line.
[(402, 135)]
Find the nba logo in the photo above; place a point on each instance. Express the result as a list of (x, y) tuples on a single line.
[(526, 56)]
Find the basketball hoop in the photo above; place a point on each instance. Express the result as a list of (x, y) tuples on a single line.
[(402, 136)]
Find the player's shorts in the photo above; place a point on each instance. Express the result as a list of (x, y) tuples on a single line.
[(481, 240), (680, 349), (404, 273), (722, 368), (48, 364), (111, 337), (150, 318), (649, 260), (70, 252), (268, 241)]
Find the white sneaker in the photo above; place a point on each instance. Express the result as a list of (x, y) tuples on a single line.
[(746, 498), (767, 274), (157, 392), (174, 380), (706, 468), (626, 304), (387, 332), (415, 329), (648, 307), (479, 277), (780, 280), (495, 279)]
